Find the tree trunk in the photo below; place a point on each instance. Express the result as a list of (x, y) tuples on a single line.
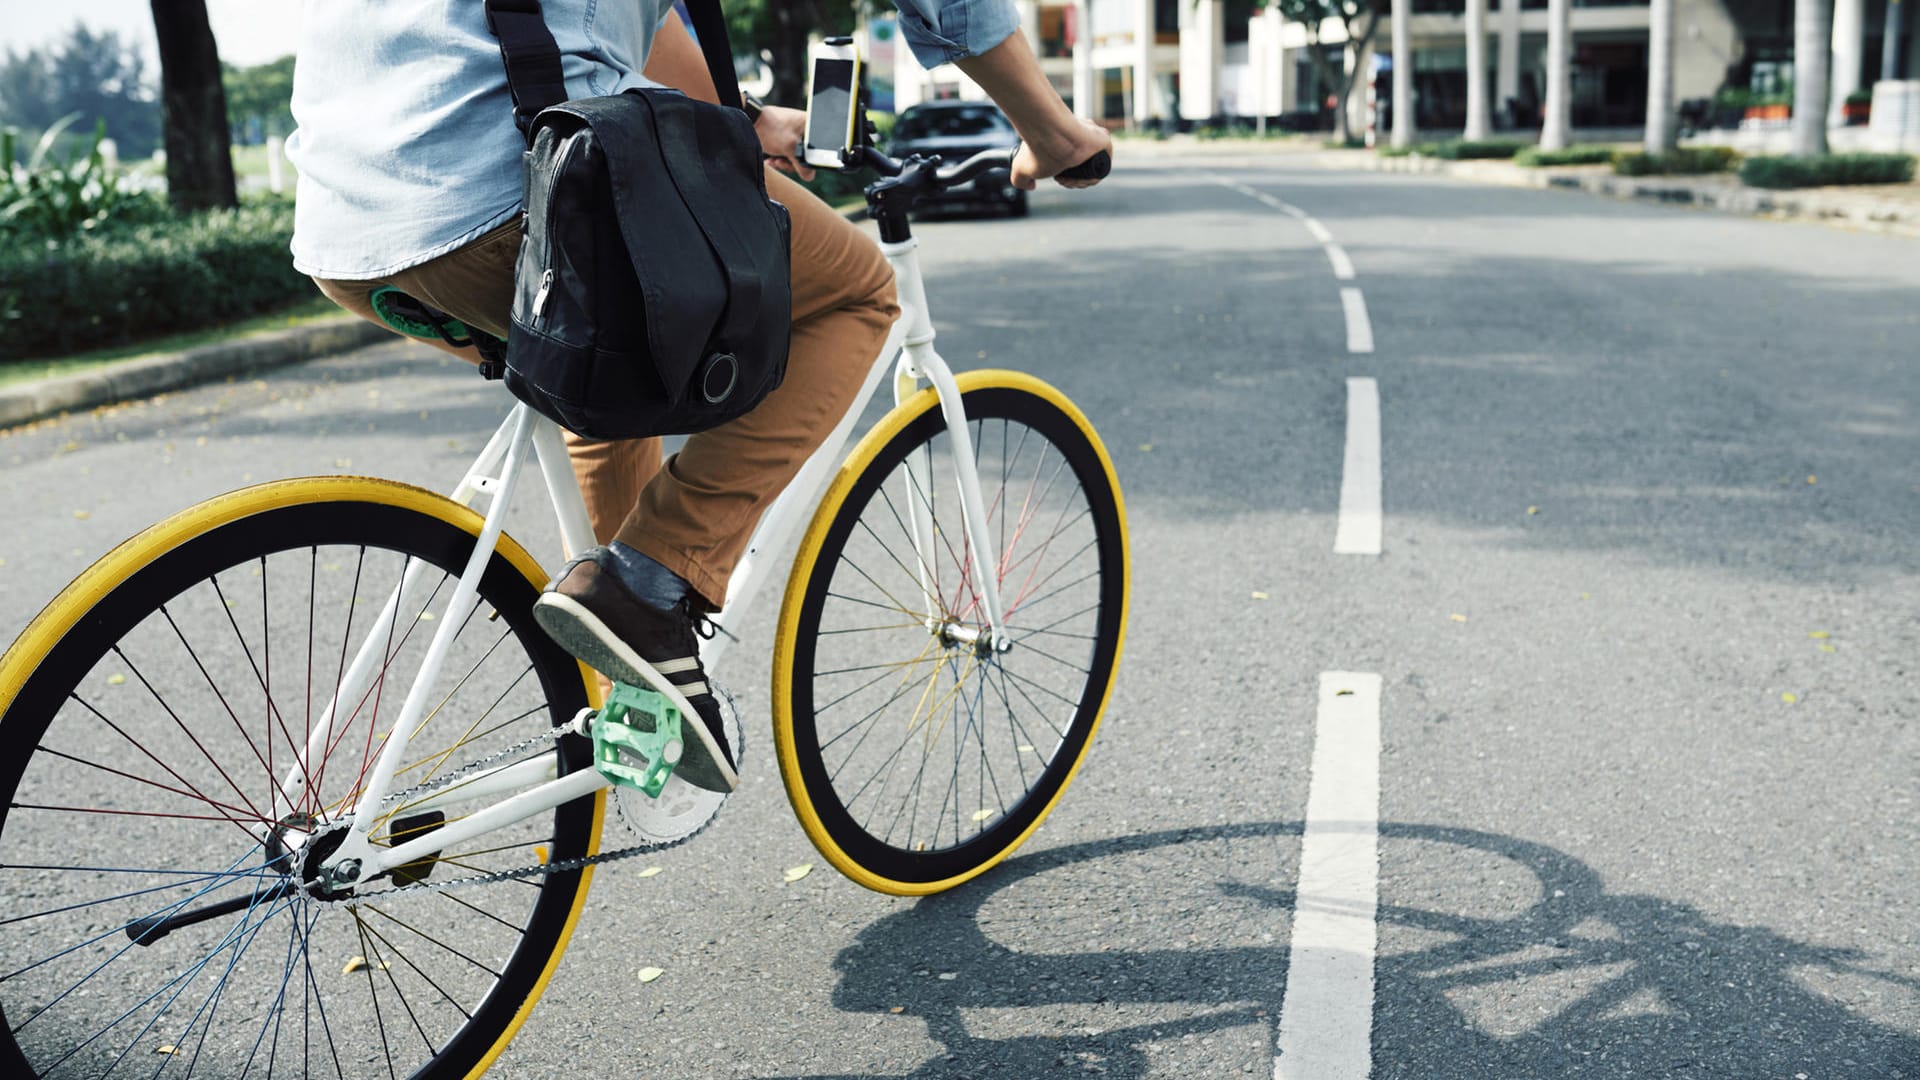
[(1477, 69), (1343, 132), (194, 107), (1559, 112), (1849, 47), (1661, 136), (1812, 35)]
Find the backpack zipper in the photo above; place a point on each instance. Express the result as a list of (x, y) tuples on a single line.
[(540, 297), (545, 292)]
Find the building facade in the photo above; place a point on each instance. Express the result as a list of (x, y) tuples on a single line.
[(1201, 60)]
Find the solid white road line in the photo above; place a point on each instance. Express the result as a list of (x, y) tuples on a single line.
[(1326, 1016), (1358, 532), (1318, 230), (1342, 266), (1359, 330)]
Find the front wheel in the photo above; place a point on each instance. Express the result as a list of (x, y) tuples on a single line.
[(915, 753), (152, 726)]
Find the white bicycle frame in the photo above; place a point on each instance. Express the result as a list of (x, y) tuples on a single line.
[(532, 787)]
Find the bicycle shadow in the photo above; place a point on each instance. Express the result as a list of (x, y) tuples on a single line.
[(1729, 1001)]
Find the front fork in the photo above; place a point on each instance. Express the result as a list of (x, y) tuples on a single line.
[(919, 364)]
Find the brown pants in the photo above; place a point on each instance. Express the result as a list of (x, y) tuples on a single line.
[(695, 515)]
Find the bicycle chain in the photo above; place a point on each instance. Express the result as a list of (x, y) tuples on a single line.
[(562, 866)]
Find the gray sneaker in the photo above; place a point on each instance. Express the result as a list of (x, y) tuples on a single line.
[(592, 615)]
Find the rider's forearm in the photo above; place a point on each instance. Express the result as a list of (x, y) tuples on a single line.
[(1011, 76), (676, 61)]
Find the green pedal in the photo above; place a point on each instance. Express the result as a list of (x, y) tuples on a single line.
[(637, 725)]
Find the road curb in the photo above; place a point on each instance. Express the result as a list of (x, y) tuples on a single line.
[(163, 372), (1862, 211)]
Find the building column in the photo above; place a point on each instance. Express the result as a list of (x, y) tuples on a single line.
[(1142, 61), (1476, 69), (1849, 42), (1202, 41), (1507, 85), (1403, 76), (1661, 134), (1084, 106), (1559, 110), (1891, 66)]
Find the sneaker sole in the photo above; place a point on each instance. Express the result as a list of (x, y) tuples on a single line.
[(580, 632)]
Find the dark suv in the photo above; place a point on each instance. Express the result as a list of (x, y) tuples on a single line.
[(956, 130)]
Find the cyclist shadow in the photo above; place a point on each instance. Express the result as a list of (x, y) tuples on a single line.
[(1632, 983)]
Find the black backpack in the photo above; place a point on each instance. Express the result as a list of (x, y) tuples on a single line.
[(651, 296)]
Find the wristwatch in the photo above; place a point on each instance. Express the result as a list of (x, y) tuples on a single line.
[(752, 105)]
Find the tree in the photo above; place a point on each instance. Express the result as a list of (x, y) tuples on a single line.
[(782, 28), (95, 73), (1311, 14), (1812, 35), (262, 93), (199, 150)]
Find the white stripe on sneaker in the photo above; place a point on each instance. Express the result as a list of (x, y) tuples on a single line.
[(675, 667)]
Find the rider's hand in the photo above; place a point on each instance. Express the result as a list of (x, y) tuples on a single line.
[(781, 131), (1071, 143)]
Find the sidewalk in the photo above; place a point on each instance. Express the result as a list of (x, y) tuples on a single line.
[(1887, 208)]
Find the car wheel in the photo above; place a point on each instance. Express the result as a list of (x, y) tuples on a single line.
[(1017, 205)]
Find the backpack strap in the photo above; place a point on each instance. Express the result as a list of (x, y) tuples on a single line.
[(533, 59)]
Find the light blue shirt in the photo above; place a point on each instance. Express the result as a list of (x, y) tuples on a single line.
[(405, 142)]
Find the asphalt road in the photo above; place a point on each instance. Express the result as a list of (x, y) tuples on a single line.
[(1635, 818)]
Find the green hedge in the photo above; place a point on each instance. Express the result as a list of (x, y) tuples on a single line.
[(1533, 157), (1686, 161), (59, 297), (1464, 149), (1792, 172)]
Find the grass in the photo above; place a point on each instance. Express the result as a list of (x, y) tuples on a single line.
[(302, 313)]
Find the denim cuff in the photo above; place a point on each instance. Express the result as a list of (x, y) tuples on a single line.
[(964, 28)]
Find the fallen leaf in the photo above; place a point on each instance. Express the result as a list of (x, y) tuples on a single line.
[(795, 873), (897, 1009), (948, 976), (82, 515), (540, 853), (648, 872), (1531, 510), (1789, 697), (1146, 448), (1828, 648), (167, 1048), (1456, 617), (648, 974), (1818, 635), (982, 815), (354, 965), (426, 616), (116, 679), (1343, 693), (1258, 595), (1026, 749)]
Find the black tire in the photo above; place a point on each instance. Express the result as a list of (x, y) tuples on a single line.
[(78, 800), (1017, 206), (1000, 761)]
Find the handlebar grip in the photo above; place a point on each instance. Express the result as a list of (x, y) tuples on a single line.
[(1094, 168)]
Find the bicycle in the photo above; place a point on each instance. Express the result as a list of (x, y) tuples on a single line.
[(959, 592)]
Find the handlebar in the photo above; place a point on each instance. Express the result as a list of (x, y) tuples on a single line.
[(1094, 168)]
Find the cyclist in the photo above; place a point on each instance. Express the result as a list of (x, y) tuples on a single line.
[(410, 177)]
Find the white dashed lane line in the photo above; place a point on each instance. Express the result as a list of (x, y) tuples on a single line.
[(1326, 1014), (1359, 329), (1359, 528), (1342, 266)]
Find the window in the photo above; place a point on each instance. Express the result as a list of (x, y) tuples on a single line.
[(937, 123)]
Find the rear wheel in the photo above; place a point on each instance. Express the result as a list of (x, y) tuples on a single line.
[(915, 753), (161, 701)]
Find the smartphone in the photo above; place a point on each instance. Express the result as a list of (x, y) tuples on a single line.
[(833, 103)]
